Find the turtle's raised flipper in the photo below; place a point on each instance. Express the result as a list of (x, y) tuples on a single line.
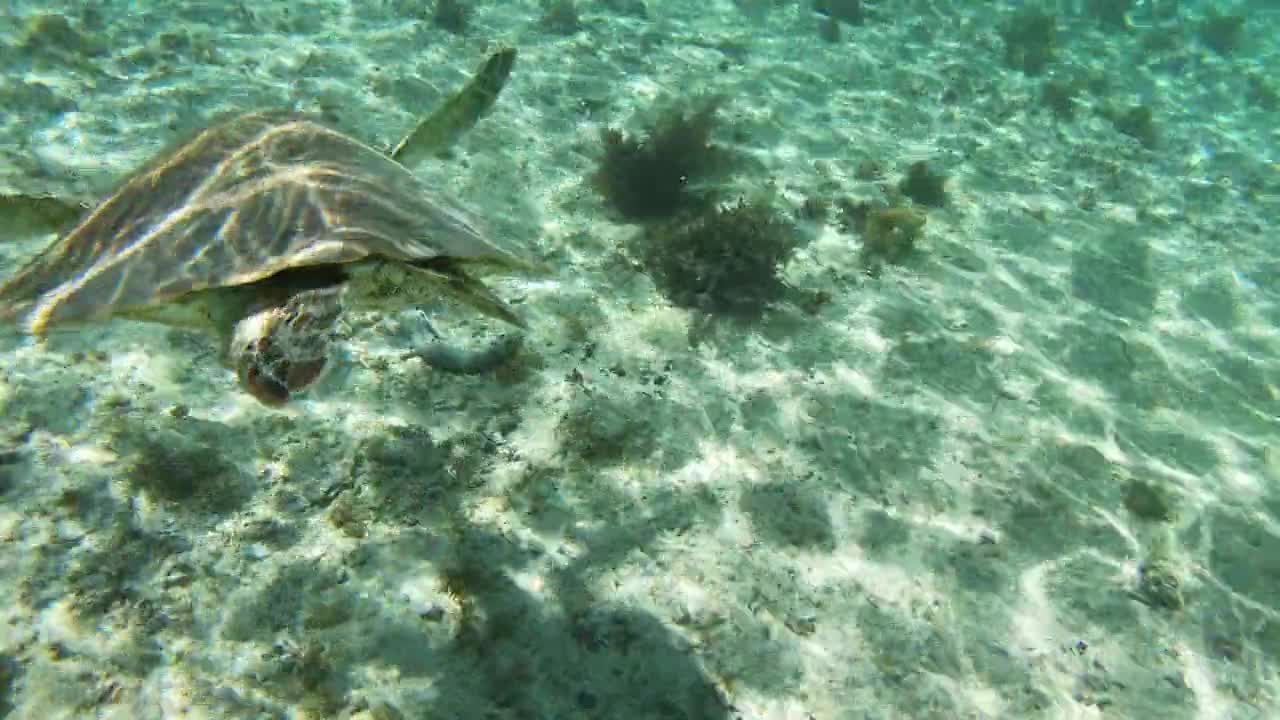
[(442, 128)]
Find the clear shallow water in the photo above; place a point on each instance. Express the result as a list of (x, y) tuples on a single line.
[(1026, 469)]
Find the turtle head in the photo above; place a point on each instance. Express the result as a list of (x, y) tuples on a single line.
[(281, 350)]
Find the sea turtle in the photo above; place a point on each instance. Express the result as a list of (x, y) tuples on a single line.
[(261, 229)]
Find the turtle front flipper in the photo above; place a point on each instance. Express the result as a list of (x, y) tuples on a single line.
[(280, 350), (441, 129)]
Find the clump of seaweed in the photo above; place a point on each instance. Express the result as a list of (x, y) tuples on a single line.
[(924, 186), (1112, 15), (109, 574), (53, 33), (852, 215), (890, 233), (1221, 33), (724, 262), (605, 430), (655, 175), (869, 169), (451, 15), (1059, 96), (1171, 39), (561, 17), (184, 469), (1029, 38), (1260, 92), (849, 11), (1148, 501), (829, 29), (1137, 123)]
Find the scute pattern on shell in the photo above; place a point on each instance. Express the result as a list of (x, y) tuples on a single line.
[(241, 201)]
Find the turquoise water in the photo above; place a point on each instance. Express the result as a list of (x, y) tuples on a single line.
[(836, 360)]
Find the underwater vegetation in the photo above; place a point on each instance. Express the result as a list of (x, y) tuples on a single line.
[(890, 234), (1136, 122), (849, 11), (1148, 501), (924, 186), (50, 39), (657, 173), (451, 15), (1262, 93), (726, 261), (180, 465), (1029, 40), (1220, 33), (609, 430), (829, 29), (1112, 15), (836, 13), (719, 260), (54, 33), (1059, 96), (891, 228), (561, 17)]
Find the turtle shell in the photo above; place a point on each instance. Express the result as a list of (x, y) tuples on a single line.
[(242, 201)]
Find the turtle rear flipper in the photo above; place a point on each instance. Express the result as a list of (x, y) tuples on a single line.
[(25, 215), (464, 288), (442, 128)]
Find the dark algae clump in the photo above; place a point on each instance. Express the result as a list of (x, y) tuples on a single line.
[(451, 15), (724, 262), (1111, 15), (848, 11), (924, 186), (891, 233), (1221, 33), (1029, 40), (1137, 123), (655, 174), (561, 17)]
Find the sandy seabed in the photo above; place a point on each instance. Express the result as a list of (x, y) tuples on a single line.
[(1032, 471)]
